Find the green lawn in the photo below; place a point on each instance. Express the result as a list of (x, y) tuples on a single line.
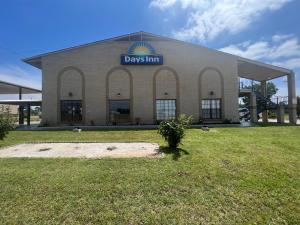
[(224, 176)]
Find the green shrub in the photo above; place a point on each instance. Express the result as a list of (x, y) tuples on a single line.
[(272, 114), (173, 130), (6, 124)]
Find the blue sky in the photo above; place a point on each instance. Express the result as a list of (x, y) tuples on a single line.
[(263, 30)]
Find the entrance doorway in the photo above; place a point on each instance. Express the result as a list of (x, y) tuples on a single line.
[(71, 111)]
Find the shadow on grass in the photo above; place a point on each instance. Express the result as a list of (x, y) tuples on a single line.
[(175, 152)]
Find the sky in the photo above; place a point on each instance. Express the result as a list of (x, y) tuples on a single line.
[(264, 30)]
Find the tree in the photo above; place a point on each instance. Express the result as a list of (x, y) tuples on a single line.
[(36, 111), (6, 124), (173, 130), (298, 106), (271, 91)]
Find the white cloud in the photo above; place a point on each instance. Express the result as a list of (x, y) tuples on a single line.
[(210, 18), (289, 63), (164, 4), (247, 50), (281, 37), (281, 50), (17, 75)]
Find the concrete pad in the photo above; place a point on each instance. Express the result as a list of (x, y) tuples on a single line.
[(81, 150)]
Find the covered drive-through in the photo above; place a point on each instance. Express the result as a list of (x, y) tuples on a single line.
[(261, 72), (7, 88)]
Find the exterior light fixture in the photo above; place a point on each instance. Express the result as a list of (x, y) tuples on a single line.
[(166, 93), (70, 94), (119, 94), (211, 93)]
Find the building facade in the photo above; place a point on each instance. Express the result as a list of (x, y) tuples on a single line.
[(138, 78)]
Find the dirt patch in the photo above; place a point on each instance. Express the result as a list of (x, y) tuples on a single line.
[(44, 149), (82, 150)]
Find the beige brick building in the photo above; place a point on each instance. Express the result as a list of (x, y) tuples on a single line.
[(10, 109), (144, 78)]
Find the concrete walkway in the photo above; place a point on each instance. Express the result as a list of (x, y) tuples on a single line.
[(81, 150)]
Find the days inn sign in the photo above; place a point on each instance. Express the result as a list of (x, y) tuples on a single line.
[(141, 53)]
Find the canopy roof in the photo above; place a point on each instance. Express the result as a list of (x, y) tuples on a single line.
[(21, 102), (254, 70), (10, 88)]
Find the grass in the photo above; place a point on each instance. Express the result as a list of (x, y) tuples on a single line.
[(224, 176)]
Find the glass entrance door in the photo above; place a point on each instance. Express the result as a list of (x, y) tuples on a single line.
[(71, 111)]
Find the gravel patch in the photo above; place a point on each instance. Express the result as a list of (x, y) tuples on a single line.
[(81, 150)]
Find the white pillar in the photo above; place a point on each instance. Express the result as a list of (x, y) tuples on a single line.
[(253, 107), (292, 98), (280, 113), (264, 93)]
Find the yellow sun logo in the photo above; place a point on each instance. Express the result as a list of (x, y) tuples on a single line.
[(141, 48)]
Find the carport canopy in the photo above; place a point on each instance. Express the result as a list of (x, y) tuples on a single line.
[(22, 102), (262, 72), (10, 88), (254, 70)]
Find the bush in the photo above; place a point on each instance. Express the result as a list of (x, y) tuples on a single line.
[(6, 124), (272, 114), (173, 130)]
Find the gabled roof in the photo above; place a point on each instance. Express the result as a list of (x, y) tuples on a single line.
[(136, 36), (263, 71)]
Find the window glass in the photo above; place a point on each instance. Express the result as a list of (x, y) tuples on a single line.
[(206, 109), (119, 111), (211, 109), (165, 109), (71, 111)]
